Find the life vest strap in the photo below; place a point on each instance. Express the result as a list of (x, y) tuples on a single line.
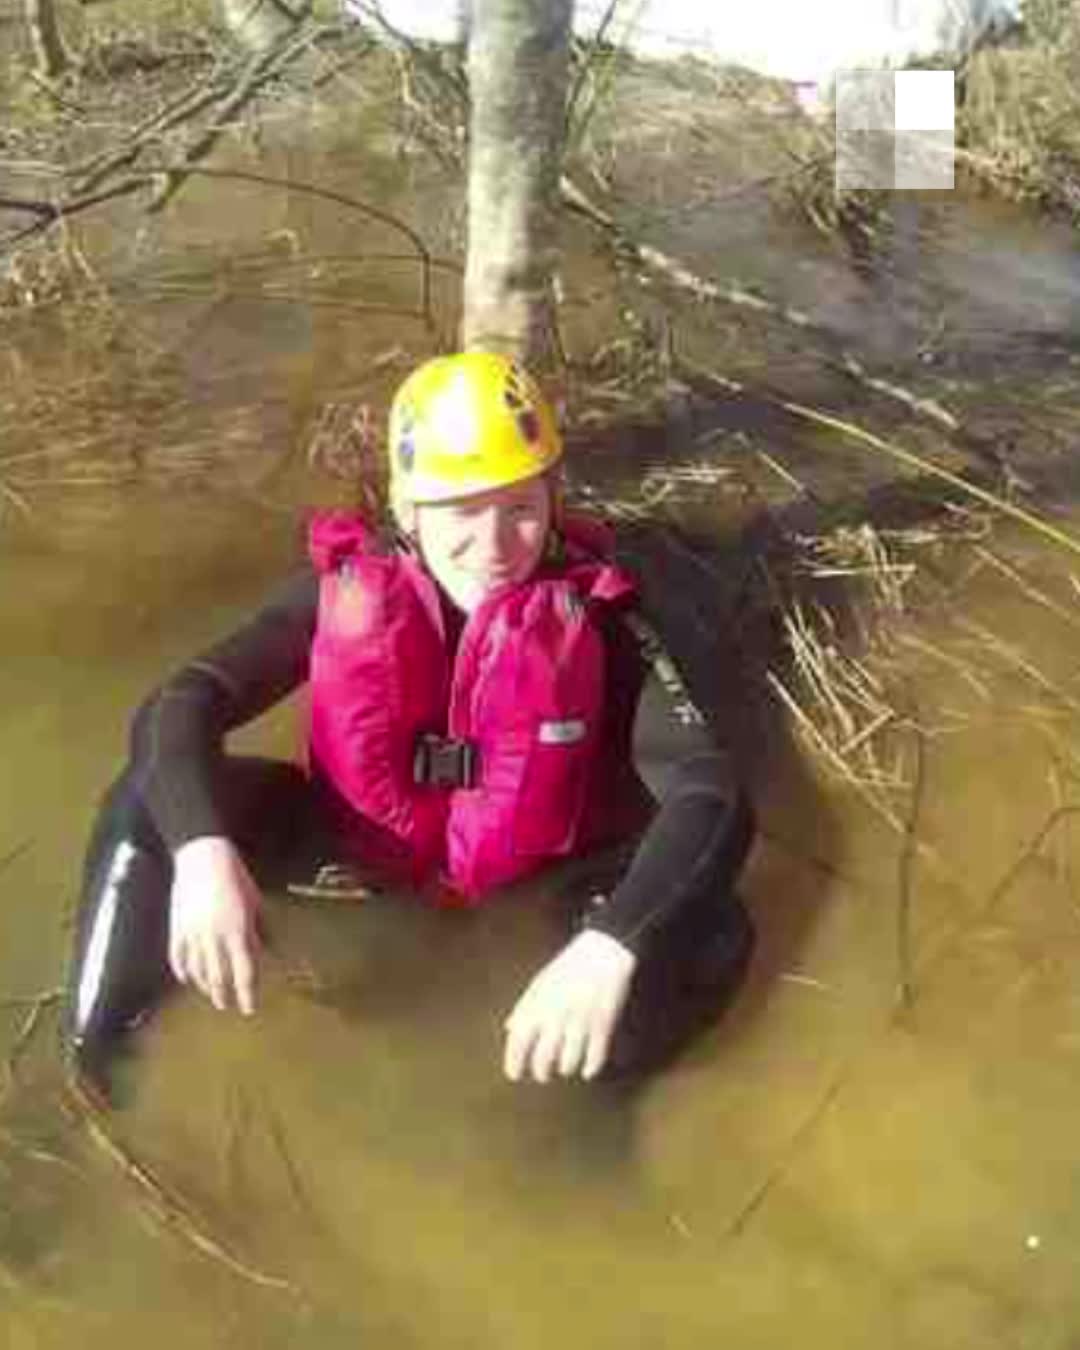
[(441, 761)]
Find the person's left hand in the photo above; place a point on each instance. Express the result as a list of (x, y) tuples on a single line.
[(565, 1018)]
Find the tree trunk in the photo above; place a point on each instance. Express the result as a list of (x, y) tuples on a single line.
[(50, 58), (518, 61)]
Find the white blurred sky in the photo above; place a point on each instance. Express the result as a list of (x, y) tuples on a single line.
[(801, 40)]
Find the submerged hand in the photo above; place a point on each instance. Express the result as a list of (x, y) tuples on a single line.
[(566, 1016), (212, 936)]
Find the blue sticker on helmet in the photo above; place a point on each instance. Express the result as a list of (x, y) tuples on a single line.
[(406, 452)]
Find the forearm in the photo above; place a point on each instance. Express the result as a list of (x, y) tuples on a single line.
[(692, 850), (701, 832)]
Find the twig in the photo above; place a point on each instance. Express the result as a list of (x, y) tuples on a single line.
[(26, 1032), (260, 69), (782, 473), (1064, 860), (921, 644), (794, 1146), (169, 1209), (191, 101), (454, 83), (37, 208), (586, 67), (44, 999), (337, 68), (1002, 887), (65, 210), (929, 854), (22, 1039), (17, 499), (871, 729), (905, 865), (1015, 658), (840, 765), (925, 407), (300, 1191), (13, 853), (340, 198), (47, 88), (1032, 592), (906, 457)]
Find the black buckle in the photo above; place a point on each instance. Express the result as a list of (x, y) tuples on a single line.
[(439, 761)]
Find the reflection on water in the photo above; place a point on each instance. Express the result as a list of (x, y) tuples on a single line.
[(819, 1167)]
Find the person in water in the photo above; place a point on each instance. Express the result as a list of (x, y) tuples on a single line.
[(486, 698)]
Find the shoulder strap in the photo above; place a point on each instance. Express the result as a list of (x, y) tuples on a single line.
[(589, 560), (334, 536)]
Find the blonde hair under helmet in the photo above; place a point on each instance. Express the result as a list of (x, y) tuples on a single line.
[(465, 424)]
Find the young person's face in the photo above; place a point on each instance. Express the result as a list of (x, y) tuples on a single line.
[(477, 543)]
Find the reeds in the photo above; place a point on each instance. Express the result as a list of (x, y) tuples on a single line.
[(1019, 121)]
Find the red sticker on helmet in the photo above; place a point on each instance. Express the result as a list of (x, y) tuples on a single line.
[(529, 424)]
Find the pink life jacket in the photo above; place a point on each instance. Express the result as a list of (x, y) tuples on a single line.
[(522, 714)]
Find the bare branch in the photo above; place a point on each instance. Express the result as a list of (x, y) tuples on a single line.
[(259, 70), (64, 210), (21, 204)]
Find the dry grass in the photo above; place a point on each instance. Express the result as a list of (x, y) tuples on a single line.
[(839, 692), (1019, 124), (1018, 131)]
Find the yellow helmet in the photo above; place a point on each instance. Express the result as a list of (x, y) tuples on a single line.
[(465, 424)]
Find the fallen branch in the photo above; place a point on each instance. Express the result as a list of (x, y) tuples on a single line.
[(172, 1212), (906, 457), (731, 293)]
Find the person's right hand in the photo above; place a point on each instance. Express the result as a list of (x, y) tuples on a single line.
[(212, 935)]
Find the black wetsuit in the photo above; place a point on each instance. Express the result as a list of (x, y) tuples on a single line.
[(668, 895)]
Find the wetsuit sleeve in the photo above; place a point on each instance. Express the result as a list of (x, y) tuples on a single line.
[(701, 831), (178, 734)]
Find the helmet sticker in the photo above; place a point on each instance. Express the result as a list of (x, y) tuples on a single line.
[(529, 425), (405, 446)]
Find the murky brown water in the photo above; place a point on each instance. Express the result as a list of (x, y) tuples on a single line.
[(819, 1169)]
